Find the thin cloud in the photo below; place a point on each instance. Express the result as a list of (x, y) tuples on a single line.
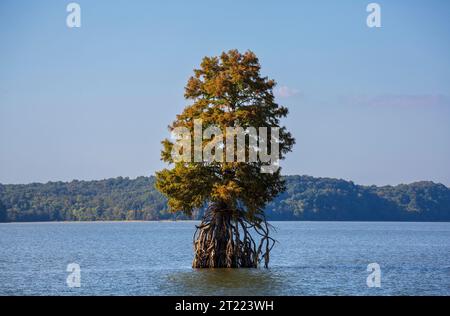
[(285, 92)]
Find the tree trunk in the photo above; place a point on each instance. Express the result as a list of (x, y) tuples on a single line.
[(223, 240)]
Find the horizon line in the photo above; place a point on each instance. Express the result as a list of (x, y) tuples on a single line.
[(284, 175)]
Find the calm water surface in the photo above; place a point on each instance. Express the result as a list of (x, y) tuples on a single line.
[(154, 258)]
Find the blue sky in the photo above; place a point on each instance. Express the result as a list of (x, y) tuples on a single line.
[(370, 105)]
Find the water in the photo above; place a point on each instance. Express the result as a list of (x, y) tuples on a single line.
[(154, 258)]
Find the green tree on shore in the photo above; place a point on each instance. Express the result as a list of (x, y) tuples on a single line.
[(3, 214)]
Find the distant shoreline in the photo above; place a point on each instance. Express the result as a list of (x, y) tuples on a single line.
[(306, 199)]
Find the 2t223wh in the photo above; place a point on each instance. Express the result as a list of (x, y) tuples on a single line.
[(225, 306)]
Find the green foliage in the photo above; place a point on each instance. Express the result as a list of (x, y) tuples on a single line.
[(308, 198), (305, 198), (3, 214), (111, 199)]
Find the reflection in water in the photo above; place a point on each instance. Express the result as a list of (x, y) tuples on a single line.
[(224, 282)]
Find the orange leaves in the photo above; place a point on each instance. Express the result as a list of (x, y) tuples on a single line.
[(227, 192), (227, 76)]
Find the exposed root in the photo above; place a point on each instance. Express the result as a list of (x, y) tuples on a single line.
[(224, 240)]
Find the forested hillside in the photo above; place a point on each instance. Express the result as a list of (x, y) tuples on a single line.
[(306, 198)]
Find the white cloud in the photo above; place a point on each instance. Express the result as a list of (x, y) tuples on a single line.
[(285, 92)]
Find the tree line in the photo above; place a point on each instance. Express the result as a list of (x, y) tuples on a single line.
[(305, 198)]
